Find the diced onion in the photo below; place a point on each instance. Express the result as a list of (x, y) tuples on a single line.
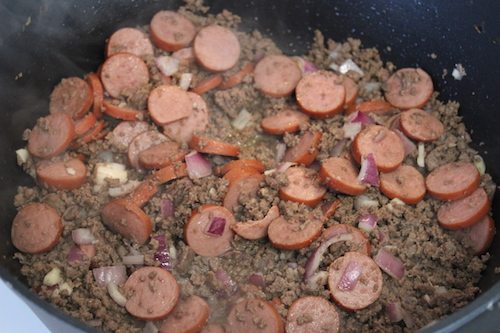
[(421, 155), (230, 287), (123, 189), (167, 208), (338, 148), (216, 227), (360, 117), (371, 86), (363, 201), (394, 311), (367, 222), (137, 259), (368, 174), (53, 277), (83, 236), (350, 276), (112, 171), (197, 165), (305, 65), (66, 287), (104, 275), (390, 264), (351, 130), (150, 327), (280, 151), (75, 255), (479, 163), (167, 65), (257, 279), (408, 145), (185, 81), (162, 254), (22, 156), (242, 120), (115, 294), (458, 72), (348, 66)]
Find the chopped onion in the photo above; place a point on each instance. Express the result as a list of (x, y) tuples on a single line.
[(75, 255), (282, 167), (162, 254), (123, 189), (137, 259), (167, 208), (197, 165), (216, 227), (351, 130), (115, 294), (363, 201), (350, 65), (242, 120), (421, 155), (22, 156), (333, 66), (350, 276), (184, 54), (360, 117), (394, 311), (83, 236), (479, 163), (305, 65), (371, 86), (338, 148), (229, 286), (110, 170), (368, 174), (150, 327), (185, 81), (104, 275), (280, 151), (367, 222), (408, 145), (53, 277), (105, 156), (458, 72), (390, 264), (380, 235), (257, 279), (167, 65), (316, 257)]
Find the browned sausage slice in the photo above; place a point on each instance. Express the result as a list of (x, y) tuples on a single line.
[(320, 94), (125, 132), (312, 314), (405, 183), (72, 96), (351, 91), (276, 75), (385, 145), (169, 103), (478, 236), (294, 234), (216, 48), (244, 188), (464, 212), (161, 155), (51, 135), (36, 228), (189, 316), (420, 125), (208, 232), (453, 180), (238, 164), (213, 328), (142, 142), (171, 31), (359, 243), (129, 40), (286, 121), (123, 74), (306, 150), (302, 187), (355, 281), (340, 175), (182, 130), (256, 229), (127, 219), (151, 292), (409, 88), (254, 315), (62, 175)]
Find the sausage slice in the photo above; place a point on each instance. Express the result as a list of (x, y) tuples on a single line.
[(479, 236), (142, 142), (188, 316), (254, 315), (294, 234), (341, 175), (312, 314), (302, 187), (420, 125), (72, 96), (276, 75), (245, 188), (242, 163), (256, 229), (97, 92), (167, 104), (123, 74), (453, 180), (161, 155), (464, 212), (409, 88), (216, 48), (171, 31), (129, 40), (306, 150), (36, 228), (207, 145), (51, 135), (405, 183), (62, 175), (151, 292), (287, 121), (125, 132)]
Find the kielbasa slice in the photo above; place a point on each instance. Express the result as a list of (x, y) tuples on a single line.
[(312, 314), (36, 228), (119, 109), (238, 173), (306, 149), (287, 121), (188, 316), (127, 219), (171, 31), (355, 281), (167, 104), (213, 328), (276, 75), (294, 234), (464, 212), (257, 229), (385, 145), (420, 125), (51, 135), (479, 236), (97, 92), (129, 40), (242, 163), (142, 142), (208, 232), (254, 315), (320, 94), (245, 187), (182, 130), (72, 96), (453, 181), (302, 187), (151, 292), (125, 132), (351, 90), (207, 145), (161, 155), (216, 48), (359, 243), (341, 175), (405, 183), (62, 175), (408, 88), (123, 74)]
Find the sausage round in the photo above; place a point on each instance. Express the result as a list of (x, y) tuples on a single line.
[(340, 175), (63, 175), (306, 149), (72, 96), (479, 236), (189, 316), (216, 48), (123, 74), (254, 315), (312, 314), (142, 142), (294, 234), (51, 135), (171, 31), (420, 125), (276, 75), (464, 212), (453, 181), (286, 121), (302, 187), (405, 183), (409, 88), (245, 187), (167, 104), (125, 132), (161, 155), (129, 40)]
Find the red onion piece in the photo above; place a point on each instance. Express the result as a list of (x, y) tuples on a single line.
[(162, 254), (380, 235), (367, 222), (350, 276), (197, 165), (282, 167), (167, 208), (390, 264), (280, 151), (137, 259), (408, 145), (360, 117), (216, 227), (75, 255), (394, 311), (257, 279), (351, 130), (305, 65), (368, 174), (83, 236), (104, 275), (338, 148), (316, 257), (229, 287), (167, 65)]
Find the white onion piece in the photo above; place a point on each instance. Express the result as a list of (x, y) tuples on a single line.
[(53, 277), (123, 189), (367, 222), (137, 259), (242, 120), (197, 165), (333, 66), (394, 311), (408, 145), (115, 294), (350, 276), (167, 65), (350, 65), (372, 86), (280, 151), (110, 170), (390, 264), (104, 275), (83, 236), (368, 174), (150, 327), (479, 163), (185, 81), (421, 155), (351, 130), (363, 201), (338, 148), (257, 279), (282, 167), (22, 156)]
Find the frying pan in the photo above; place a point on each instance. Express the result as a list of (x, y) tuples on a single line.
[(44, 41)]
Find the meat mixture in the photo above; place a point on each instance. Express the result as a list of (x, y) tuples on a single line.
[(202, 180)]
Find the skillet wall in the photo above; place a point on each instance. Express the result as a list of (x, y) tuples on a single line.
[(49, 39)]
